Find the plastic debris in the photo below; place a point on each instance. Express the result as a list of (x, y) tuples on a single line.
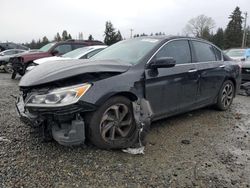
[(4, 139), (135, 151)]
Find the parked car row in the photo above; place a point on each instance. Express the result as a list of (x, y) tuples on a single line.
[(111, 98), (5, 58), (10, 45), (80, 53), (21, 62)]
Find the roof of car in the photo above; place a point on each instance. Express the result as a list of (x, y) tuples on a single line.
[(170, 37)]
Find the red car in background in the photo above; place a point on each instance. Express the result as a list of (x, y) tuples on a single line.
[(21, 62)]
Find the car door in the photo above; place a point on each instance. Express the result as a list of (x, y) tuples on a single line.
[(210, 66), (170, 90)]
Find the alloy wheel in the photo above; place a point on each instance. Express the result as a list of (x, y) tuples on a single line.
[(227, 95), (116, 123)]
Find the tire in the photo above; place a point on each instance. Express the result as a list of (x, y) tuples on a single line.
[(105, 130), (226, 95), (13, 75)]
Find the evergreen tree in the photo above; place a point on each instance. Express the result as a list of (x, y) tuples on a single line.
[(69, 36), (110, 36), (218, 38), (118, 36), (233, 32), (45, 40), (90, 37), (64, 35), (57, 37)]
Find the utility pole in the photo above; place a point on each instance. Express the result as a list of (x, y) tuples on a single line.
[(244, 32), (131, 33)]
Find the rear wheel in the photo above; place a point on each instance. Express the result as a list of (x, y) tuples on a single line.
[(226, 95), (112, 126)]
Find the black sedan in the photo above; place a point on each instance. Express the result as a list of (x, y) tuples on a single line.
[(113, 97)]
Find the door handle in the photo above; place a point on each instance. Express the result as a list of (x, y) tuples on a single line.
[(192, 70), (222, 66)]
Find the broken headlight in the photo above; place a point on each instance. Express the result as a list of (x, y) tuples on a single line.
[(58, 97)]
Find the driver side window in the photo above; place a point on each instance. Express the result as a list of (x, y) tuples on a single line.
[(178, 49)]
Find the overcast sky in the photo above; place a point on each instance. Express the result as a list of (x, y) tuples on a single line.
[(24, 20)]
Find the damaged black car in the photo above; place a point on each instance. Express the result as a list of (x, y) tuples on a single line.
[(114, 96)]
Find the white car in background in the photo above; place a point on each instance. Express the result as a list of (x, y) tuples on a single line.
[(80, 53)]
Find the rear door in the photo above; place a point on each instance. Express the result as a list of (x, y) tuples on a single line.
[(170, 90), (210, 66)]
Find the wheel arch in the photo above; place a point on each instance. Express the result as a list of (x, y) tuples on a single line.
[(127, 94)]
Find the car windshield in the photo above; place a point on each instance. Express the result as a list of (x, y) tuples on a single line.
[(130, 51), (47, 47), (77, 52), (236, 53)]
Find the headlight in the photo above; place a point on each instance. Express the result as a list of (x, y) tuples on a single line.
[(59, 97)]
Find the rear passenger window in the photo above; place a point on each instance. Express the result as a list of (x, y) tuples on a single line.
[(179, 50), (217, 54), (204, 52)]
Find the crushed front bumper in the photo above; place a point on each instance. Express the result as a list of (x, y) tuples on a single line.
[(65, 124), (24, 115)]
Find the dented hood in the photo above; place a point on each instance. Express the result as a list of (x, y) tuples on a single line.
[(53, 71)]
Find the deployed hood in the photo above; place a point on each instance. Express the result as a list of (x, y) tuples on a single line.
[(51, 72), (46, 59)]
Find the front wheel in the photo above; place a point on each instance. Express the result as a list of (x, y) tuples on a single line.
[(226, 95), (113, 126)]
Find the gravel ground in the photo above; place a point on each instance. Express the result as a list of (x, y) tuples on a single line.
[(203, 148)]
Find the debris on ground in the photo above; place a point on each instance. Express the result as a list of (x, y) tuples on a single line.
[(185, 141), (135, 151), (2, 139)]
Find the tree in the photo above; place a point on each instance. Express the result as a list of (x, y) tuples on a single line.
[(118, 36), (110, 35), (199, 26), (45, 40), (206, 34), (90, 37), (233, 32), (65, 35), (69, 36), (218, 38), (57, 37)]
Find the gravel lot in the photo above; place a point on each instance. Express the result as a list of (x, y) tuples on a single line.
[(203, 148)]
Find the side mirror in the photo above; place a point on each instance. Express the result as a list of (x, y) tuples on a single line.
[(162, 62), (55, 52)]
